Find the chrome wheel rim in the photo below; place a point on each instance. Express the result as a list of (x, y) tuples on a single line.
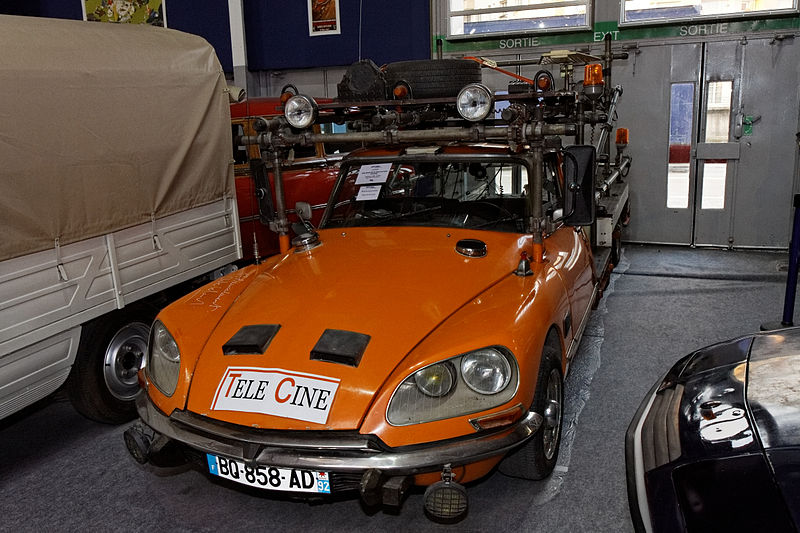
[(123, 359), (552, 415)]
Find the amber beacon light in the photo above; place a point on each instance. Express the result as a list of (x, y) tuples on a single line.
[(593, 80), (622, 137)]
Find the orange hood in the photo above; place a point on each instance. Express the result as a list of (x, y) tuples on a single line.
[(395, 285)]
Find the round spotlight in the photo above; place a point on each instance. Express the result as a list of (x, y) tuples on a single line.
[(475, 102), (486, 371), (300, 111), (435, 380)]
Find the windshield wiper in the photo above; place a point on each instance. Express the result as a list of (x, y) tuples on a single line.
[(410, 213)]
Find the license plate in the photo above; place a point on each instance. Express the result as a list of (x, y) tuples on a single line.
[(269, 477)]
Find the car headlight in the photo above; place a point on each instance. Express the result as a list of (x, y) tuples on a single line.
[(461, 385), (163, 359), (486, 371), (300, 111), (435, 380), (475, 102)]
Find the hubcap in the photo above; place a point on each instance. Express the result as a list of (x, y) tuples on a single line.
[(123, 359), (552, 415)]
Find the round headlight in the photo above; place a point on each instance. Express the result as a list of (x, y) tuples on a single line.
[(300, 111), (164, 359), (435, 380), (475, 102), (486, 371)]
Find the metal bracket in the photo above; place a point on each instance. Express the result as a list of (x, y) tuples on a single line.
[(156, 241), (62, 272)]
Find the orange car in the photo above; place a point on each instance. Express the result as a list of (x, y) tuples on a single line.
[(419, 337)]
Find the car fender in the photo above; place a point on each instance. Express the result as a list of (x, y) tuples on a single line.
[(518, 313), (191, 320)]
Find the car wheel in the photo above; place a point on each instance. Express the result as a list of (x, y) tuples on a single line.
[(103, 382), (537, 457), (616, 245), (430, 78)]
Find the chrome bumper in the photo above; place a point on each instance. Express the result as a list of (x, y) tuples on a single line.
[(336, 452)]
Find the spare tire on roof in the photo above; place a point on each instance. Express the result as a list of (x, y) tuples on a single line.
[(431, 78), (363, 80)]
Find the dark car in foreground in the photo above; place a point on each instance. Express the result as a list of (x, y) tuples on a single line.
[(715, 445)]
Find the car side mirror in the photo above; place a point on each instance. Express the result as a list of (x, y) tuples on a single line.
[(303, 210), (579, 165)]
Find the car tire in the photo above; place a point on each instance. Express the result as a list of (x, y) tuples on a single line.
[(431, 78), (103, 382), (616, 245), (537, 457), (363, 80)]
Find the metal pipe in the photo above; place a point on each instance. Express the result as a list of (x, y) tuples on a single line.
[(474, 133), (609, 123), (794, 260), (607, 59), (625, 163), (281, 222), (535, 196)]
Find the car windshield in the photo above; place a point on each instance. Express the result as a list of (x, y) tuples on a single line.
[(477, 193)]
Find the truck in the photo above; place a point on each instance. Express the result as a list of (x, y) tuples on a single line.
[(118, 188), (123, 188)]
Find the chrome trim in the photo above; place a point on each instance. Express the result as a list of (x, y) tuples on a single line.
[(338, 453), (576, 339), (638, 460)]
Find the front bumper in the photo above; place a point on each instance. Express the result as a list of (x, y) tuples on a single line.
[(330, 451)]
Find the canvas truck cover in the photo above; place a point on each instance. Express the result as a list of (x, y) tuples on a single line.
[(105, 126)]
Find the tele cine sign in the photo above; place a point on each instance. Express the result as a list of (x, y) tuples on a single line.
[(276, 392)]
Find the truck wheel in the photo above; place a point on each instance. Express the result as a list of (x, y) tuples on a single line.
[(537, 457), (103, 383), (430, 78), (616, 245)]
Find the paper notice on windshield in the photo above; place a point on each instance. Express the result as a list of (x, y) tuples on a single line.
[(377, 173), (369, 192)]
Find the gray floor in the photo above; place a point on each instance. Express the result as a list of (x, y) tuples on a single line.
[(59, 472)]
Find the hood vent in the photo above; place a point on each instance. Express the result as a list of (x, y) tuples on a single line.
[(251, 340), (343, 347)]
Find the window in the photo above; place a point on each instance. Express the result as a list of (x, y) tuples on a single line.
[(649, 11), (718, 119), (681, 113), (474, 18), (471, 192)]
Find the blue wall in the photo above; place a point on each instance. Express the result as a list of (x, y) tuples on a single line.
[(277, 30), (207, 18), (277, 33), (57, 9)]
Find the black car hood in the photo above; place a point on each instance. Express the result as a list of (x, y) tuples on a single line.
[(773, 388)]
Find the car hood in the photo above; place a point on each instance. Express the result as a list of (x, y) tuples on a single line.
[(735, 387), (773, 387), (382, 290)]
